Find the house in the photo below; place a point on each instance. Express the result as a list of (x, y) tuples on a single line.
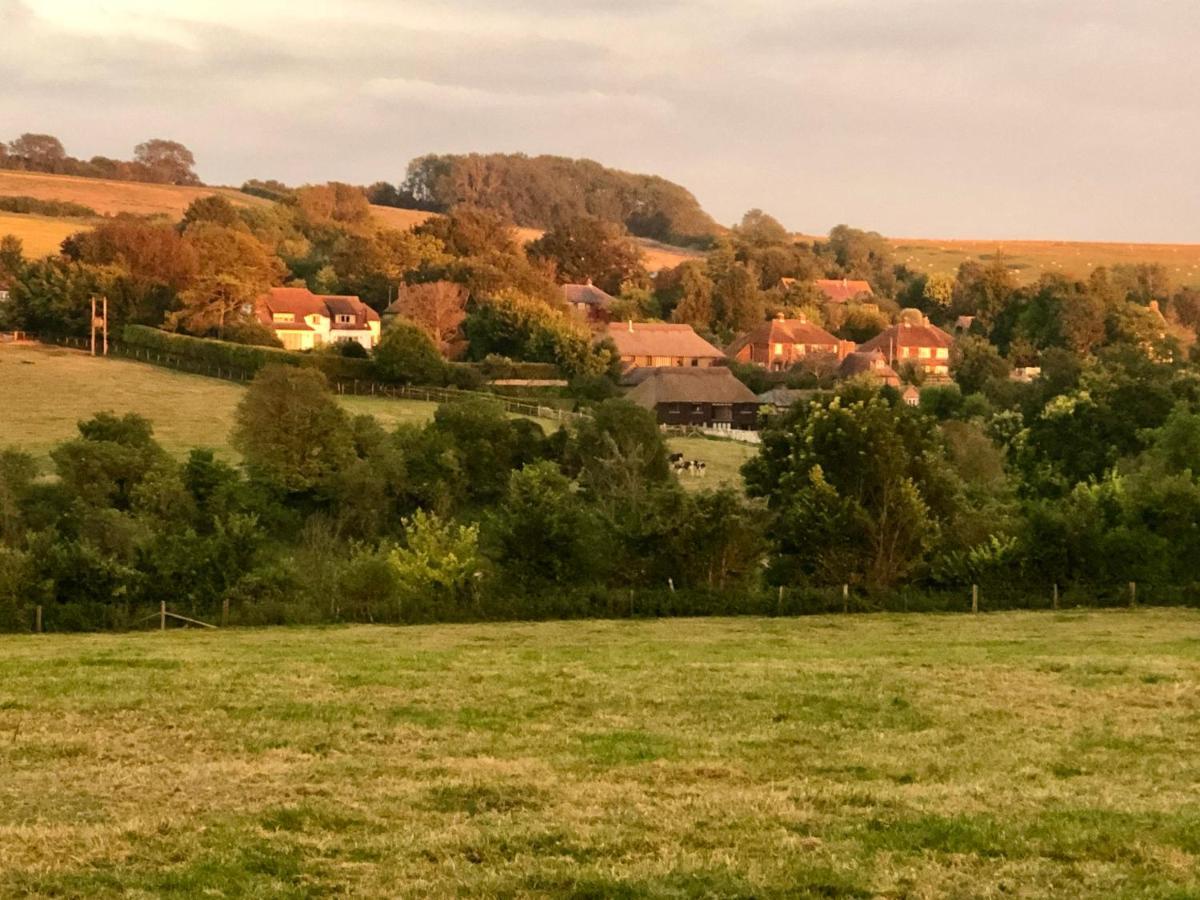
[(651, 344), (843, 290), (919, 344), (911, 396), (871, 363), (703, 397), (587, 302), (1025, 374), (781, 343), (303, 320)]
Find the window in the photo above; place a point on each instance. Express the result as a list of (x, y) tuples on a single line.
[(283, 317), (779, 349), (943, 353), (343, 319), (925, 353)]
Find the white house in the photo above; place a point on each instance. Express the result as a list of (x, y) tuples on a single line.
[(303, 320)]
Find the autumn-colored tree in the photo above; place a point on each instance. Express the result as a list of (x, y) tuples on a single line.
[(344, 204), (590, 249), (438, 308), (169, 162), (234, 270), (212, 208), (40, 151)]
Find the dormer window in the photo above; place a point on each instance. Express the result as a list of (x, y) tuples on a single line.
[(283, 317), (344, 319)]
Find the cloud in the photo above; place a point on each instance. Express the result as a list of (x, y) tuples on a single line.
[(1047, 117)]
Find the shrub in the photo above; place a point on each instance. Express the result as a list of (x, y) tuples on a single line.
[(407, 355)]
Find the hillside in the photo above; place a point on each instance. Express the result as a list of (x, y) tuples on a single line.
[(45, 391), (42, 235), (1029, 259)]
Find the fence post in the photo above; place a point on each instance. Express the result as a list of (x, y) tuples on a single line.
[(224, 612), (1054, 602), (671, 584), (37, 626), (162, 615), (974, 598), (845, 598), (1132, 594), (779, 602)]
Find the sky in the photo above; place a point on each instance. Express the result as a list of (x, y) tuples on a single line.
[(1073, 119)]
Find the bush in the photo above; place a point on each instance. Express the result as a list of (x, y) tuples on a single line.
[(34, 206), (244, 358), (407, 355)]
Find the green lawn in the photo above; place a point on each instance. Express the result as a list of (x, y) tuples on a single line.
[(1016, 754), (45, 391)]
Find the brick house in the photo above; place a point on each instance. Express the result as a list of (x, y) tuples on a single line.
[(921, 345), (780, 343)]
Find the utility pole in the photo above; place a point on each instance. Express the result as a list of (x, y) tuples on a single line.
[(92, 339), (106, 325)]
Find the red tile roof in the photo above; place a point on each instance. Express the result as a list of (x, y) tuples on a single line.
[(785, 331), (302, 302), (839, 290), (892, 339)]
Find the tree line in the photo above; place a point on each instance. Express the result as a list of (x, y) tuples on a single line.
[(158, 161)]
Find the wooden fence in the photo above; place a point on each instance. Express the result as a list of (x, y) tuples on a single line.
[(354, 387)]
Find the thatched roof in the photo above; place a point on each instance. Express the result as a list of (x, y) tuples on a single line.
[(587, 294), (660, 339), (689, 385)]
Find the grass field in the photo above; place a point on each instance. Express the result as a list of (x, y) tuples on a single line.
[(45, 391), (1004, 755), (1029, 259), (40, 235)]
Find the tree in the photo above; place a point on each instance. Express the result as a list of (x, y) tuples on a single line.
[(41, 151), (590, 249), (939, 290), (619, 452), (109, 460), (983, 291), (53, 296), (167, 161), (290, 429), (212, 208), (974, 362), (861, 254), (234, 270), (406, 355), (438, 565), (438, 308), (857, 491), (761, 230)]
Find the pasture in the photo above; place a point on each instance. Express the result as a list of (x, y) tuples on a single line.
[(1029, 259), (1014, 754), (40, 235), (45, 391)]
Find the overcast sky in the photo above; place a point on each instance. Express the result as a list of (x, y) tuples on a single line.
[(940, 118)]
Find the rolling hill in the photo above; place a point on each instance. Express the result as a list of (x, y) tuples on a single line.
[(42, 234)]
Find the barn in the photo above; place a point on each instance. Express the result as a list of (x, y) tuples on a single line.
[(701, 397)]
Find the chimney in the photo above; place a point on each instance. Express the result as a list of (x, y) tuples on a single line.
[(631, 326), (803, 319), (589, 281), (925, 321), (844, 283), (779, 316)]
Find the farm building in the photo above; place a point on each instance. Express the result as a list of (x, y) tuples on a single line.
[(651, 344), (780, 343), (588, 303), (303, 320), (783, 398), (868, 362), (919, 344), (707, 397), (843, 290)]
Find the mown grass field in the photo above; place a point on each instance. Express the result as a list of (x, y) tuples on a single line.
[(40, 235), (45, 391), (1003, 755)]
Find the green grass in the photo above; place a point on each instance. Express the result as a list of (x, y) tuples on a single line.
[(1014, 754), (45, 391)]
